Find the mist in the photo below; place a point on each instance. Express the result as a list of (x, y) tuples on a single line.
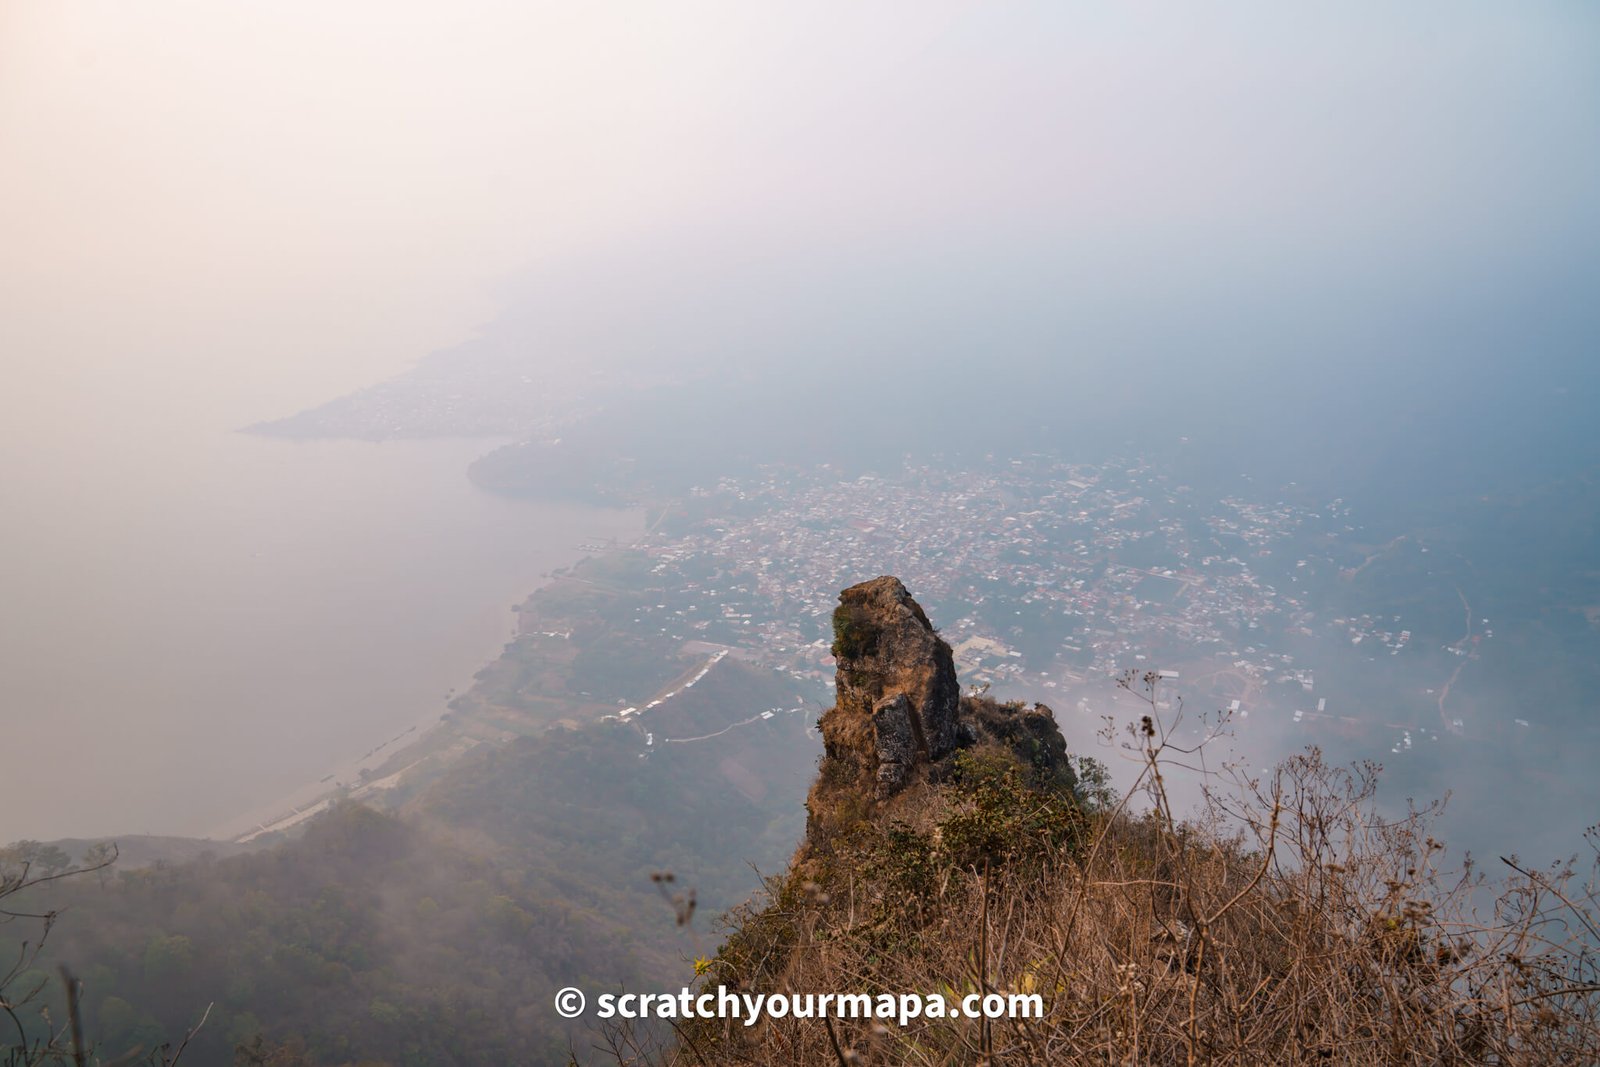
[(433, 439), (1315, 243)]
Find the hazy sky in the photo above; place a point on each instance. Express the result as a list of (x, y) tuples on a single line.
[(212, 213), (239, 207)]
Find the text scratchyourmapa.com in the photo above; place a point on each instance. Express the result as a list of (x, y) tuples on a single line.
[(751, 1008)]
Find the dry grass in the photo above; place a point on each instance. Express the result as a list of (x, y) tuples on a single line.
[(1289, 924)]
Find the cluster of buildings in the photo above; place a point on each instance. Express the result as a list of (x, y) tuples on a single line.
[(1380, 631), (1039, 573)]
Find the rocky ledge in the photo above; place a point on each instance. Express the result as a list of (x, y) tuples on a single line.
[(899, 714)]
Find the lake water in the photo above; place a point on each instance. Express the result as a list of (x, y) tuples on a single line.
[(194, 627)]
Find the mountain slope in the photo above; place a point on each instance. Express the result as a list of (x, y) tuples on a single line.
[(979, 903)]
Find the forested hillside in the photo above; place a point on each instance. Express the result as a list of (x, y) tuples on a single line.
[(439, 933)]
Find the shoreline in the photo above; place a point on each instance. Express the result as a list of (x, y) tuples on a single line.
[(307, 800), (344, 778)]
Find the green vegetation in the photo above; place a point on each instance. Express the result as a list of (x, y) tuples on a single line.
[(1000, 818), (853, 635), (441, 934), (1288, 923), (368, 939), (613, 667), (439, 931), (579, 652)]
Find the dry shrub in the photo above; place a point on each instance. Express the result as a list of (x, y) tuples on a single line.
[(1288, 924)]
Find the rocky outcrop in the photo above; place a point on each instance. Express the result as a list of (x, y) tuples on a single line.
[(897, 696), (894, 740), (890, 740)]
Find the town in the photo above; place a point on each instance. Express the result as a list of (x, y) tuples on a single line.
[(1046, 576)]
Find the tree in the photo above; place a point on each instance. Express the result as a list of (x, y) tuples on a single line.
[(42, 859), (29, 1033), (32, 1037), (98, 856)]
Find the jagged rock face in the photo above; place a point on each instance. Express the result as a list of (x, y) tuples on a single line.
[(896, 685), (895, 741)]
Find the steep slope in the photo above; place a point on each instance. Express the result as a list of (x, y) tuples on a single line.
[(893, 738), (439, 933), (965, 900)]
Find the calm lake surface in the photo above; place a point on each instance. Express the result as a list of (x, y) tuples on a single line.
[(195, 627)]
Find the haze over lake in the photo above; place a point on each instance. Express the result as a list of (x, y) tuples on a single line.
[(1260, 241), (230, 617)]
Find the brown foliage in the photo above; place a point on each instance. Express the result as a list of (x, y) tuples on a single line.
[(1289, 923)]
